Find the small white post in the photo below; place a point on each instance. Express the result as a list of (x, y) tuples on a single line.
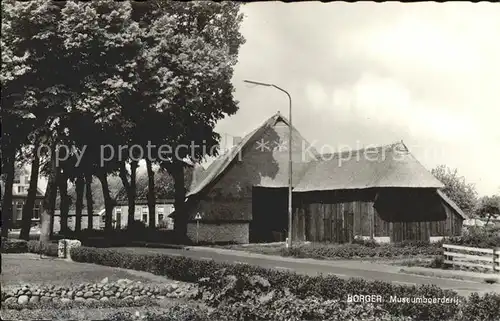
[(197, 218)]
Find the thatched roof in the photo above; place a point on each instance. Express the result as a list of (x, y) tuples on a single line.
[(452, 204), (279, 177), (385, 166), (389, 166)]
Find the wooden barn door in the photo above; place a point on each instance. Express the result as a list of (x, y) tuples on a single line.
[(342, 226)]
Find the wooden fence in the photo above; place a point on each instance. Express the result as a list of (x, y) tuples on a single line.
[(472, 257)]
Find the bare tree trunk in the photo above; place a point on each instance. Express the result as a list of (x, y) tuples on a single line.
[(49, 201), (130, 188), (63, 192), (90, 201), (30, 200), (180, 220), (108, 202), (151, 194), (80, 185), (9, 171)]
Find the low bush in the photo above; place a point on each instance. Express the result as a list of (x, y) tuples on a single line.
[(14, 246), (49, 249), (134, 311), (438, 263), (483, 237), (323, 287), (481, 308), (137, 232), (61, 305), (363, 250), (175, 313), (366, 242), (307, 291)]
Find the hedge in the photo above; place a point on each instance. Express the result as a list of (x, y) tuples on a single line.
[(14, 246), (363, 249), (483, 237), (325, 287), (32, 246)]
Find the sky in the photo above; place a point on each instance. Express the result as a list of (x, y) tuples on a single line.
[(365, 74)]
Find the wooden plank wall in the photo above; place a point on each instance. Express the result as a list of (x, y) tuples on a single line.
[(414, 231), (325, 223), (337, 222)]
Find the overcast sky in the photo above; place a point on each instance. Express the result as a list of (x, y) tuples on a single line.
[(368, 73)]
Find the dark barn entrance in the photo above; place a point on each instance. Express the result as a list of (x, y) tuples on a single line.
[(269, 215)]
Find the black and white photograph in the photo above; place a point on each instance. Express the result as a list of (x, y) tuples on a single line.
[(250, 161)]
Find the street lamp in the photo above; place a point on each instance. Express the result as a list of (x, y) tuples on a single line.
[(289, 240)]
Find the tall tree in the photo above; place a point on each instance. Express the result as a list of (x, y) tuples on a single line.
[(27, 214), (456, 188), (89, 201), (488, 207), (49, 200), (151, 194), (156, 71), (65, 201), (79, 187), (129, 188)]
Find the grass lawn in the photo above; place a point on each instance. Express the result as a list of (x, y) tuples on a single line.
[(29, 268)]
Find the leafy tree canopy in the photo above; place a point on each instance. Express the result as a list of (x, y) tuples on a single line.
[(456, 188)]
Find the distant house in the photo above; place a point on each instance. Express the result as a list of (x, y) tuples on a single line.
[(481, 222), (19, 197), (390, 196), (96, 220), (164, 207)]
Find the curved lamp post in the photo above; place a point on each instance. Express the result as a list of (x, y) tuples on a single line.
[(289, 240)]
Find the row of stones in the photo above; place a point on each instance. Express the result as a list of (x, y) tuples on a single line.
[(103, 291)]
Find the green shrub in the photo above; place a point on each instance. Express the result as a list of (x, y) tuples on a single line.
[(58, 305), (365, 250), (481, 308), (366, 242), (14, 246), (49, 249), (324, 287), (175, 313), (438, 263), (483, 237)]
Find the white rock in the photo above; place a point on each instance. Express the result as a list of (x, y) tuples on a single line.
[(23, 299), (61, 251), (70, 245)]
